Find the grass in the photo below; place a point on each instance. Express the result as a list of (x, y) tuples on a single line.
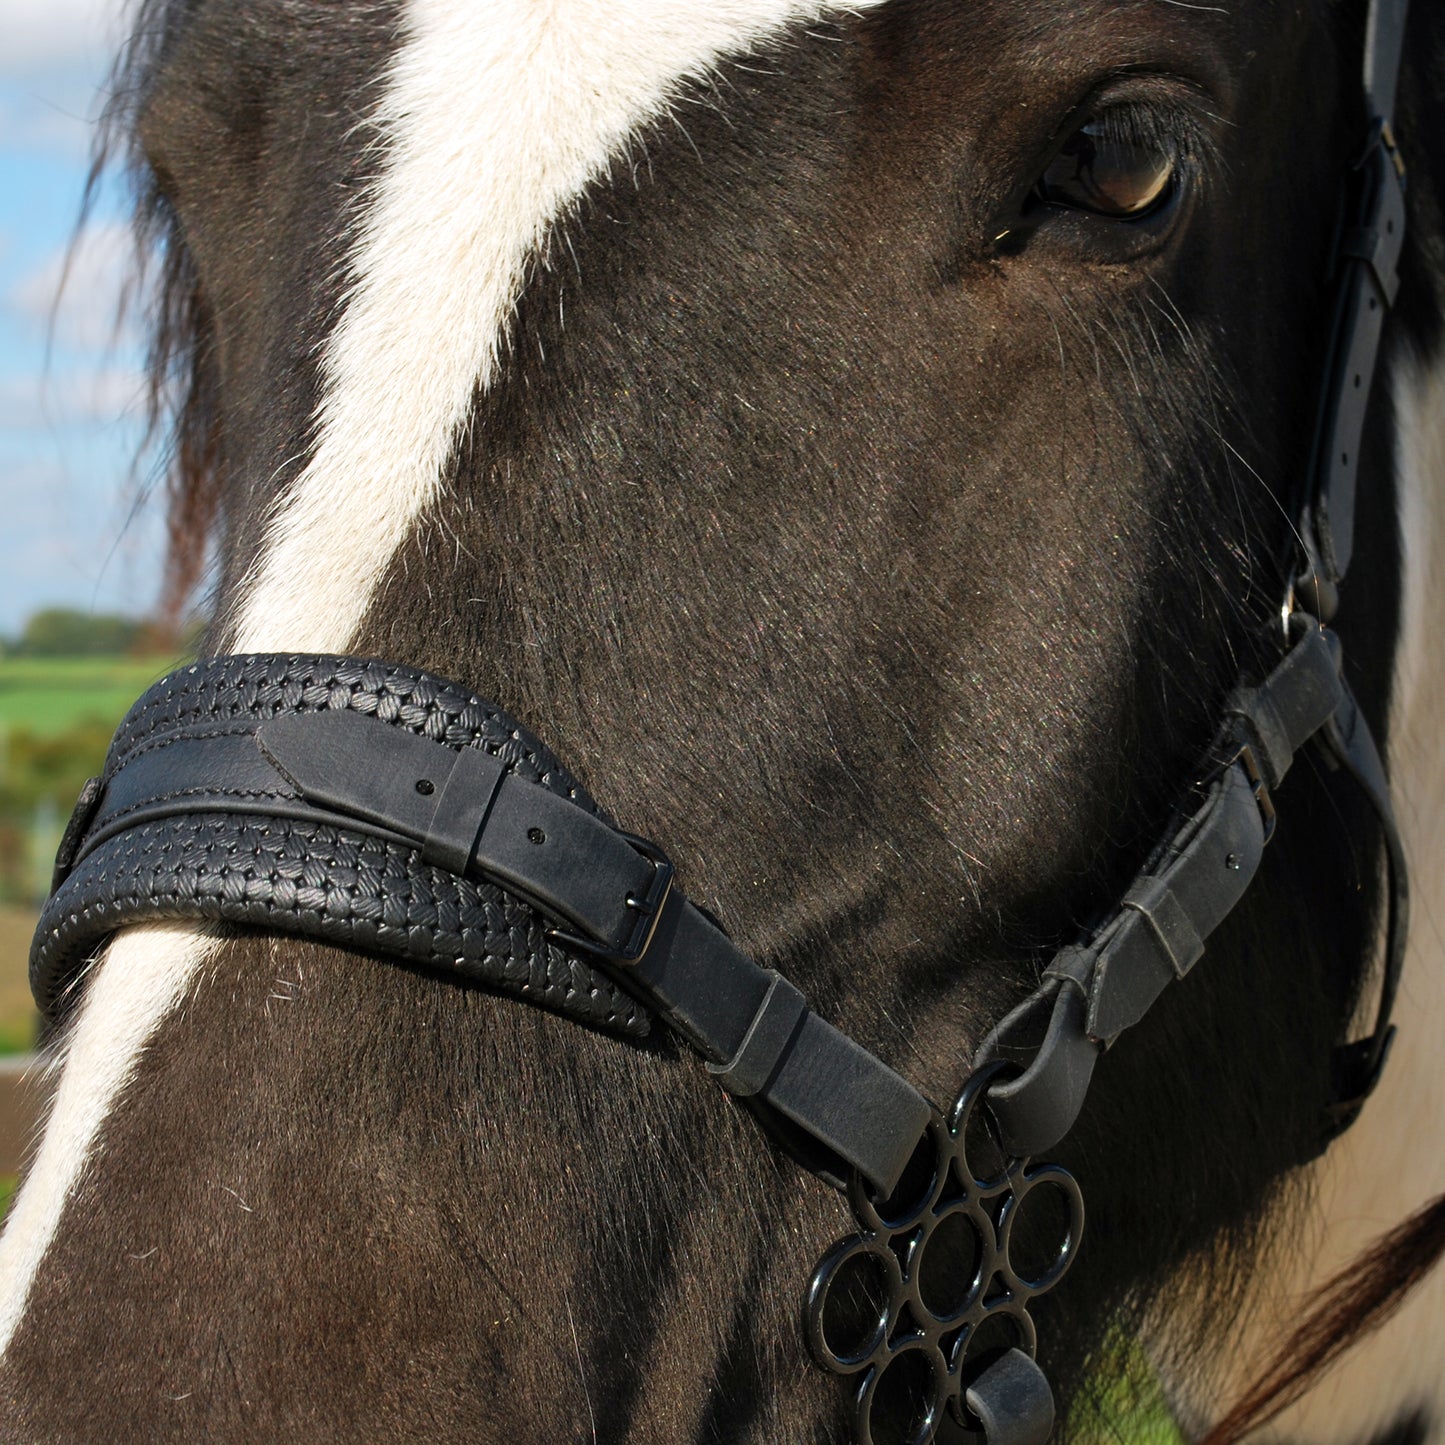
[(1132, 1412), (1124, 1404), (56, 719), (56, 715), (49, 694)]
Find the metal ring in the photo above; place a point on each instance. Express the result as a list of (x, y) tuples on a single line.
[(965, 1111), (985, 1265), (974, 1351), (1042, 1177), (978, 1291), (872, 1346), (929, 1404)]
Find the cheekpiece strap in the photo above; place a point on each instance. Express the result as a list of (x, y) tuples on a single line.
[(1384, 50), (1093, 991), (1367, 269), (324, 796)]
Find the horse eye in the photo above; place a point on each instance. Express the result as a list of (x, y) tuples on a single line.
[(1110, 174)]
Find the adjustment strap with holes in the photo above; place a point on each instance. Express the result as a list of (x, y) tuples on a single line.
[(468, 812), (1367, 268)]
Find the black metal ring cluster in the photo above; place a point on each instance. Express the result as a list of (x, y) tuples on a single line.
[(937, 1284)]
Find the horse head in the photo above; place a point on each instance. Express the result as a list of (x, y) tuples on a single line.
[(864, 443)]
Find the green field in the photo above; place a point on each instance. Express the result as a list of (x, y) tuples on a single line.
[(1125, 1405), (56, 718), (55, 693), (17, 1009)]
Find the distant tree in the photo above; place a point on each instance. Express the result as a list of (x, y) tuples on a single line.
[(38, 766), (158, 638), (62, 632), (40, 774), (193, 633)]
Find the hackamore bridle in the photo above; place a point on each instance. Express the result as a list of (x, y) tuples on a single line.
[(375, 807)]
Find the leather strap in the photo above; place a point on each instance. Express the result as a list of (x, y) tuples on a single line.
[(1358, 1066), (323, 769), (1012, 1401), (1384, 50), (264, 864), (1092, 992), (1367, 261)]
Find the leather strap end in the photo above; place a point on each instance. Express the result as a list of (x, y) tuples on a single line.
[(1036, 1109), (1013, 1401), (848, 1101)]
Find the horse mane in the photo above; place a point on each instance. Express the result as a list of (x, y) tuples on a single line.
[(181, 438), (1361, 1298)]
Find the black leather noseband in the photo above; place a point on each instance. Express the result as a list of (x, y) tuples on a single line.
[(376, 807)]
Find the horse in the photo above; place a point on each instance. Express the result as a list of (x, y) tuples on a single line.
[(862, 441)]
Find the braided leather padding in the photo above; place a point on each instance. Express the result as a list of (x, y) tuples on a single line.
[(329, 884)]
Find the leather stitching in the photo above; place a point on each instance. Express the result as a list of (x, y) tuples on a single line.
[(107, 817)]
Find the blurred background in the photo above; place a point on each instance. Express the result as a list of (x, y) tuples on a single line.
[(80, 549)]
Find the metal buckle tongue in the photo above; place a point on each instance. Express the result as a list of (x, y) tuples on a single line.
[(927, 1305)]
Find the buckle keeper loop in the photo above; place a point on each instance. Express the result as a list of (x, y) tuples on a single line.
[(767, 1041)]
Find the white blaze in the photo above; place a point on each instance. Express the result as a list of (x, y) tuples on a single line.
[(147, 972), (495, 117)]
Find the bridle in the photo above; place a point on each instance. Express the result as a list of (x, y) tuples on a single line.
[(373, 806)]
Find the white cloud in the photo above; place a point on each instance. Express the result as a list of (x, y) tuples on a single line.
[(55, 56), (41, 35), (82, 289), (114, 393), (58, 123)]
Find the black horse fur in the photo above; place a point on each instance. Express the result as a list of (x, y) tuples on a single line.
[(880, 540)]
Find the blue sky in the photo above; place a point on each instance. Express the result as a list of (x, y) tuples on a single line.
[(70, 532)]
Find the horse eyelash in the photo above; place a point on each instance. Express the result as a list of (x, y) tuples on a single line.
[(1149, 127)]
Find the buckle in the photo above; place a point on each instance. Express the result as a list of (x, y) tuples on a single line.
[(87, 805), (1259, 787), (1381, 136), (649, 909)]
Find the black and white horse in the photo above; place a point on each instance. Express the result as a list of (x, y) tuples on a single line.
[(858, 437)]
